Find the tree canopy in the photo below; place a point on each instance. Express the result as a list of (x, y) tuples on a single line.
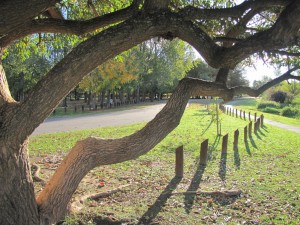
[(77, 36)]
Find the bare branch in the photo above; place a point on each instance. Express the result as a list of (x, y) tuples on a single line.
[(282, 34), (76, 27), (256, 92), (86, 56), (156, 4), (15, 13), (222, 75)]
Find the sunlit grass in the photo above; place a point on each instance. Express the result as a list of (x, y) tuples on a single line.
[(249, 105), (265, 168)]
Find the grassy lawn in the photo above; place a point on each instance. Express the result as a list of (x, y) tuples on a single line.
[(249, 105), (265, 169)]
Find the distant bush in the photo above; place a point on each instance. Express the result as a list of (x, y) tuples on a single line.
[(290, 112), (279, 96), (270, 104), (296, 100), (271, 110)]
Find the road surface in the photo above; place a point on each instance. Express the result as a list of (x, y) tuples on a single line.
[(103, 119), (117, 118)]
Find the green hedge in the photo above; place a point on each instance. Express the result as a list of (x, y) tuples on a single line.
[(270, 104), (271, 110), (290, 112)]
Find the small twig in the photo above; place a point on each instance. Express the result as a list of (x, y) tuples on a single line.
[(105, 194), (35, 170)]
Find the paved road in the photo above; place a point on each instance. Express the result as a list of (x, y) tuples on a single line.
[(117, 118), (104, 119), (271, 122)]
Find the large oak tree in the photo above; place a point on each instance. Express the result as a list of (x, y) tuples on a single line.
[(224, 35)]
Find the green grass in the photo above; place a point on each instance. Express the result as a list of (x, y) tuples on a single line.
[(265, 169), (249, 105)]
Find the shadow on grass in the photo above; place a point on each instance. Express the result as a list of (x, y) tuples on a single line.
[(248, 148), (261, 133), (160, 202), (208, 126), (253, 143), (195, 182), (222, 169), (213, 147), (265, 128), (257, 135), (237, 159)]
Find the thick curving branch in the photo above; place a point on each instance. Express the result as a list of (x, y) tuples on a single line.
[(76, 27), (92, 152), (15, 12), (283, 33), (256, 92), (96, 50)]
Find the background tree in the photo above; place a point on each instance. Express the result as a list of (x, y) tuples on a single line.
[(222, 32)]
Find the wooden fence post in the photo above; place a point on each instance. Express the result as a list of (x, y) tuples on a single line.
[(230, 111), (254, 117), (203, 152), (179, 162), (224, 144), (236, 139), (261, 120), (244, 115), (236, 113), (249, 116), (240, 113), (255, 127), (245, 133), (82, 108), (250, 129)]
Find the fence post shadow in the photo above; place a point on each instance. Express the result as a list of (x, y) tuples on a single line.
[(257, 135), (261, 133), (223, 161), (160, 202), (253, 142), (248, 148), (237, 159), (213, 147), (195, 182), (222, 169)]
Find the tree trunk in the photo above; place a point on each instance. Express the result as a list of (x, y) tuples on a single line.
[(17, 198), (93, 151)]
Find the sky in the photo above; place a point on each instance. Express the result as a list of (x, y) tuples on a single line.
[(255, 72), (261, 69)]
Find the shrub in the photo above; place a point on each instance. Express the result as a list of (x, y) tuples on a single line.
[(279, 96), (290, 112), (270, 104), (271, 110), (296, 100)]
